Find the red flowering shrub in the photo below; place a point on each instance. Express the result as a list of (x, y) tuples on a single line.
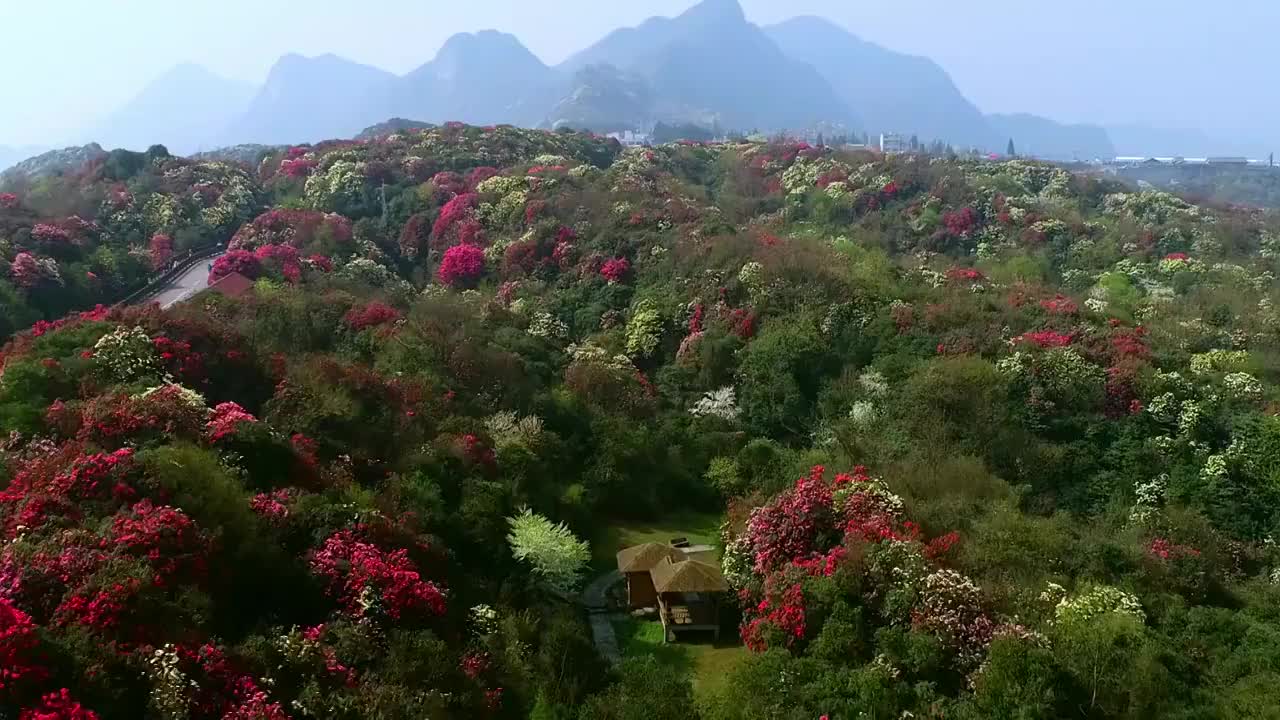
[(163, 536), (272, 506), (1046, 339), (98, 609), (1130, 345), (452, 214), (304, 230), (28, 272), (371, 315), (616, 270), (1165, 549), (115, 419), (1059, 305), (17, 640), (533, 210), (479, 175), (236, 261), (180, 359), (792, 524), (58, 706), (462, 265), (50, 233), (783, 611), (960, 222), (962, 275), (299, 167), (742, 322), (320, 263), (474, 664), (57, 485), (161, 250), (364, 578), (226, 420), (449, 183), (942, 545), (282, 259), (8, 201), (416, 235)]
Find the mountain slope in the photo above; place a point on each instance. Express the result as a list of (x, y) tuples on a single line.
[(477, 78), (892, 92), (312, 99), (711, 59), (10, 156), (184, 109), (53, 162), (1047, 139), (602, 98)]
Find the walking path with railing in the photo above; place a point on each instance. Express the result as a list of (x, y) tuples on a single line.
[(185, 277)]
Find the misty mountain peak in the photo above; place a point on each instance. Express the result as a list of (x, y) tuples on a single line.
[(718, 11), (486, 47)]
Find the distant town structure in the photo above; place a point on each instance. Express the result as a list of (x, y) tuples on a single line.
[(1177, 160), (893, 143), (631, 138)]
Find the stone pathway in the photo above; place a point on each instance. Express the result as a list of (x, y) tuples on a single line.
[(594, 599)]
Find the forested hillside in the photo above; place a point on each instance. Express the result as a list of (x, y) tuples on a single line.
[(984, 440)]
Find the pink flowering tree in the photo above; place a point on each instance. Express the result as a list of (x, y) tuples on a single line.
[(616, 270), (242, 262), (161, 250), (367, 580), (453, 214), (462, 266), (372, 315)]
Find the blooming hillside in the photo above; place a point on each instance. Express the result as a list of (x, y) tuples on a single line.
[(91, 236), (358, 491)]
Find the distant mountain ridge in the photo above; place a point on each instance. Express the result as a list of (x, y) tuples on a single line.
[(892, 92), (708, 65), (311, 99), (10, 156), (53, 162), (1050, 140), (477, 78), (184, 109), (711, 59)]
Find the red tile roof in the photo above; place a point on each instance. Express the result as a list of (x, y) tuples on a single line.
[(233, 285)]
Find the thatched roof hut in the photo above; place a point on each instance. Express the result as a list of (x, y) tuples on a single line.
[(688, 576), (643, 558)]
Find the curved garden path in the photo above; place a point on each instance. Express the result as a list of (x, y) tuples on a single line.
[(594, 599)]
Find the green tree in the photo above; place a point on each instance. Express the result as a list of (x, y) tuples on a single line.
[(555, 554), (646, 691)]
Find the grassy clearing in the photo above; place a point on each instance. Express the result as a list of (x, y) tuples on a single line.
[(707, 663), (699, 528)]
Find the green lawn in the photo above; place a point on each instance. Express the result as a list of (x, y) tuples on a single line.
[(707, 663), (700, 528)]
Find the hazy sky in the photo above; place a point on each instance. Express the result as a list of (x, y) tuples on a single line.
[(1168, 63)]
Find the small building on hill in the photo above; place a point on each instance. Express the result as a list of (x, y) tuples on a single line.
[(635, 563), (684, 582), (689, 595)]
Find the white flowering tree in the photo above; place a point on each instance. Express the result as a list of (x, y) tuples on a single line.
[(555, 554)]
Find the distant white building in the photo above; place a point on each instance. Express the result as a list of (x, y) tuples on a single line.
[(893, 143), (630, 137)]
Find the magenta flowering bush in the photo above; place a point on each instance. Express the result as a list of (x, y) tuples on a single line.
[(616, 270), (367, 580), (242, 262), (462, 265)]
